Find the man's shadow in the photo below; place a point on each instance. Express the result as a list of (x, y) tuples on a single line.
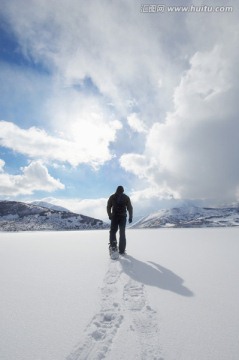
[(154, 275)]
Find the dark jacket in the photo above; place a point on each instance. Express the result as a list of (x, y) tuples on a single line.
[(118, 204)]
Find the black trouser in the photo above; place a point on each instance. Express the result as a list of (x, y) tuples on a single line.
[(118, 221)]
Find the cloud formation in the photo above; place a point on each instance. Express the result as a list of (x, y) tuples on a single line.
[(76, 149), (34, 177), (194, 152), (136, 124), (2, 163), (112, 43), (158, 90)]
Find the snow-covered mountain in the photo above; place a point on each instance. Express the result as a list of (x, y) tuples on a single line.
[(49, 205), (191, 216), (19, 216)]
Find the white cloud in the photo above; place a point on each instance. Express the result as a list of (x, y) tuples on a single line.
[(2, 164), (137, 164), (95, 208), (112, 43), (34, 177), (195, 152), (177, 72), (86, 144), (207, 80), (125, 60), (136, 124), (82, 127), (86, 123)]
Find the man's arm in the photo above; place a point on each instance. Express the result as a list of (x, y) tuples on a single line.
[(109, 207), (130, 209)]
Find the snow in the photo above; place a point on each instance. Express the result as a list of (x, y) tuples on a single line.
[(173, 297), (49, 205)]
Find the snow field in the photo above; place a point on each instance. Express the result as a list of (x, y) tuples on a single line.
[(124, 323), (173, 297)]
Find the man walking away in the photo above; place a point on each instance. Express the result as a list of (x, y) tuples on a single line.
[(117, 206)]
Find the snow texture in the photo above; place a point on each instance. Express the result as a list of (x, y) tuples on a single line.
[(124, 309), (174, 296)]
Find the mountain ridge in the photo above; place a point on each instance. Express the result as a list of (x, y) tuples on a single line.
[(191, 216), (49, 205), (20, 216)]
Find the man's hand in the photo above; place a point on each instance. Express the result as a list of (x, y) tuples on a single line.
[(130, 220)]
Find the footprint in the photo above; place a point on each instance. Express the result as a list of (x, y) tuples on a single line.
[(113, 273), (134, 296), (144, 320), (101, 331)]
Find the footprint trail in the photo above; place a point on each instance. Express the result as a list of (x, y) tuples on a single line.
[(125, 317)]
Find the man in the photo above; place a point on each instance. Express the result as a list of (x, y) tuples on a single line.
[(117, 207)]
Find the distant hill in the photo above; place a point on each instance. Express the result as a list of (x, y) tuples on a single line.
[(191, 216), (49, 205), (19, 216)]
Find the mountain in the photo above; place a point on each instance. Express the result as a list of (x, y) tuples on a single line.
[(49, 205), (19, 216), (191, 216)]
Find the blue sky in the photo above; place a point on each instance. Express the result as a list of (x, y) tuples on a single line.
[(97, 94)]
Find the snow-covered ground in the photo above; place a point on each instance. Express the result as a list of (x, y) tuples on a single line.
[(174, 296)]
